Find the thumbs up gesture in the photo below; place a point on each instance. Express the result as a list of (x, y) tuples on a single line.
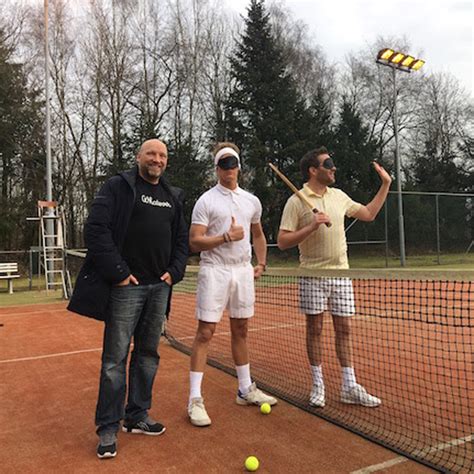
[(236, 232)]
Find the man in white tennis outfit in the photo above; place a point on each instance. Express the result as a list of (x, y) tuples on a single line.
[(325, 247), (223, 220)]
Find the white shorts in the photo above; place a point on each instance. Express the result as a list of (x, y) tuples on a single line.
[(323, 294), (221, 287)]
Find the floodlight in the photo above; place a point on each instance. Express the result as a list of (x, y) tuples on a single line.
[(385, 54), (408, 61), (397, 58), (418, 64)]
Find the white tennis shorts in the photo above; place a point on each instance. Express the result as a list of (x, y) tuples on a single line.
[(327, 294), (221, 287)]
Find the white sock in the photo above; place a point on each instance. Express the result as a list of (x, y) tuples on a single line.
[(195, 380), (348, 377), (317, 371), (243, 374)]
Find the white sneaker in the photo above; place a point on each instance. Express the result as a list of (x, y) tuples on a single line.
[(254, 397), (317, 398), (197, 412), (357, 395)]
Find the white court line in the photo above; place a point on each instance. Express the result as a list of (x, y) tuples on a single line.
[(442, 446), (381, 466), (99, 349), (419, 453), (228, 333), (47, 356)]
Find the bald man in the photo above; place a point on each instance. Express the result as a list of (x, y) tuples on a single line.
[(137, 243)]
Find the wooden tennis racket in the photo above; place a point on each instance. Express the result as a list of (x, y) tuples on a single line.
[(296, 191)]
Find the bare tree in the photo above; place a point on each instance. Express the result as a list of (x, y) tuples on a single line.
[(155, 77), (306, 62), (439, 144), (369, 89)]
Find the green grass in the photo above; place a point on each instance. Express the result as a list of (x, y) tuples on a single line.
[(22, 294)]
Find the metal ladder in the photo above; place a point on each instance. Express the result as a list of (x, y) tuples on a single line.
[(52, 230)]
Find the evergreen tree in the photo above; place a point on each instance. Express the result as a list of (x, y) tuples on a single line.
[(22, 155), (265, 116), (188, 172), (354, 153), (441, 169)]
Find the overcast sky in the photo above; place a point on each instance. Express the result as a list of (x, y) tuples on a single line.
[(441, 29)]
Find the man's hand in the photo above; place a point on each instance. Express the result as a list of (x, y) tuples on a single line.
[(236, 232), (129, 280), (258, 271), (318, 219), (166, 277), (384, 176)]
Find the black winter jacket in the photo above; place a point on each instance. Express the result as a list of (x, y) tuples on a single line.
[(104, 235)]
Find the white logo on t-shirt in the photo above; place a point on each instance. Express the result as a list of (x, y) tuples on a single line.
[(154, 202)]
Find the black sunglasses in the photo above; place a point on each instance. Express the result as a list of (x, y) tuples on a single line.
[(328, 164)]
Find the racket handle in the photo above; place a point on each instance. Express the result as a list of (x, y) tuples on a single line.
[(327, 224)]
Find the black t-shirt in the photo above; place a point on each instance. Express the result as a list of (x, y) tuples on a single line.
[(147, 247)]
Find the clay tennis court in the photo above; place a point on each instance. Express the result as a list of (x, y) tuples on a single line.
[(49, 369), (412, 348)]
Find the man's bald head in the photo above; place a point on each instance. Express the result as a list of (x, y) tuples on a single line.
[(151, 142), (152, 159)]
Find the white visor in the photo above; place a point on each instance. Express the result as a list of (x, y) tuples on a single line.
[(226, 151)]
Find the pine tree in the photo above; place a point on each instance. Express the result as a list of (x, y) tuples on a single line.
[(354, 153), (265, 116), (21, 150), (188, 172)]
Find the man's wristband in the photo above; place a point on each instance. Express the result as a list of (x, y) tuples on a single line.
[(226, 237), (263, 265)]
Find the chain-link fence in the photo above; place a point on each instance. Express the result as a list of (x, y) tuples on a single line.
[(435, 223)]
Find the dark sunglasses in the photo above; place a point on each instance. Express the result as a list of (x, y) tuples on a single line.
[(228, 163), (328, 164)]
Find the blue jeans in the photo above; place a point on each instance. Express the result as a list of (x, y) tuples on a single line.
[(137, 311)]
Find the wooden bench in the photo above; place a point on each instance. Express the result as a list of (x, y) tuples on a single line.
[(9, 271)]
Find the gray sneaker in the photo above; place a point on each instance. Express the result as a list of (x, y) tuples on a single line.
[(107, 447), (147, 426)]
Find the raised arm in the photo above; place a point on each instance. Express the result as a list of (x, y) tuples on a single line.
[(370, 211)]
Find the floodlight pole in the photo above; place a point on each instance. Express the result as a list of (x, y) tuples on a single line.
[(50, 225), (401, 225), (402, 62), (49, 172)]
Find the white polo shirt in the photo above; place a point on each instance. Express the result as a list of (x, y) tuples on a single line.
[(214, 209)]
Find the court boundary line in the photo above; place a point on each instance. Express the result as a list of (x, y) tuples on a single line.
[(48, 356), (419, 453), (382, 465)]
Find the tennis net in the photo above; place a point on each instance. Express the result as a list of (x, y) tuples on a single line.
[(412, 333)]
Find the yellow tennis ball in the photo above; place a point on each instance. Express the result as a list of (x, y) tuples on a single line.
[(265, 408), (251, 463)]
